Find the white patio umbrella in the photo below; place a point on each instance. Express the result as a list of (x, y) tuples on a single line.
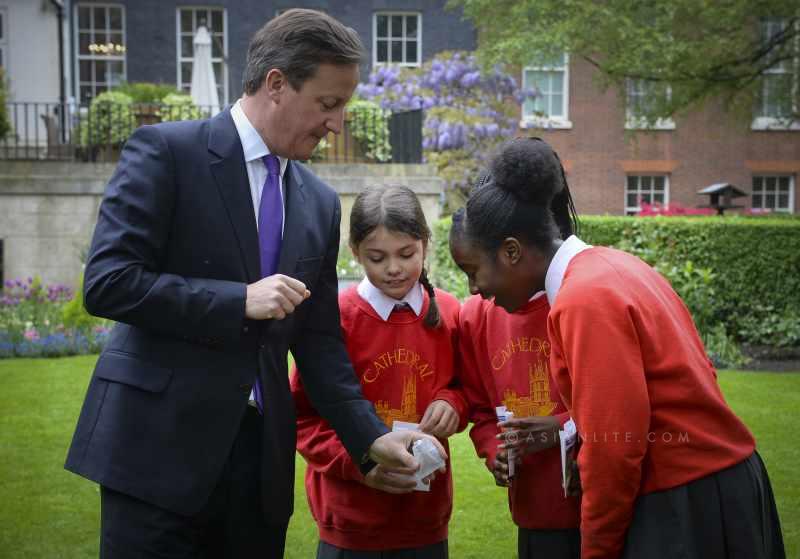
[(204, 86)]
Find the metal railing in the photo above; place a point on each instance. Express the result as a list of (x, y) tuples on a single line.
[(92, 133)]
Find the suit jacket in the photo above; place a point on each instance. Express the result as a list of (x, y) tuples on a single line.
[(174, 247)]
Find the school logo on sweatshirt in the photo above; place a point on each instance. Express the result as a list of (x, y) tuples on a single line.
[(408, 405), (522, 344), (537, 402)]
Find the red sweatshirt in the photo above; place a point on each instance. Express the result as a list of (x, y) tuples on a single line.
[(633, 372), (504, 361), (403, 366)]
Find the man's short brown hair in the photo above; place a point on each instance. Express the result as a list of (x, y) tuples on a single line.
[(296, 43)]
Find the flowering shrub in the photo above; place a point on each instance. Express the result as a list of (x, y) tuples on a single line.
[(32, 321), (674, 208), (469, 111)]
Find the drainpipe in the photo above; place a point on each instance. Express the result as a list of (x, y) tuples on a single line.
[(59, 5)]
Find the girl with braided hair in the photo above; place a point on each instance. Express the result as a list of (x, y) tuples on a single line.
[(400, 333)]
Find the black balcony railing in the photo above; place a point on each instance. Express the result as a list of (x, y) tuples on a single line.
[(97, 132)]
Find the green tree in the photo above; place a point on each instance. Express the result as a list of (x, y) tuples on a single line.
[(683, 51)]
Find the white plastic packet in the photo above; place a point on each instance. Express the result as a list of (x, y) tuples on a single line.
[(429, 460)]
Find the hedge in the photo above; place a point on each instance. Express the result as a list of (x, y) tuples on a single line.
[(753, 265)]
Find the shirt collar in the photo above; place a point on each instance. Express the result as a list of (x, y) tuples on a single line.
[(384, 305), (252, 143), (558, 266)]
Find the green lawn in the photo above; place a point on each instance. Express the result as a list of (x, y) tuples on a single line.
[(48, 513)]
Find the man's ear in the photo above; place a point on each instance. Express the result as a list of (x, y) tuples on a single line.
[(275, 84), (510, 251)]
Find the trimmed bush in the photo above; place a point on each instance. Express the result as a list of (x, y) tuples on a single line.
[(742, 272), (179, 106), (110, 120)]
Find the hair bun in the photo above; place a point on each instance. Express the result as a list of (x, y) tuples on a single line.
[(529, 169)]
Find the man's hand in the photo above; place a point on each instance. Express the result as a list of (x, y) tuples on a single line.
[(525, 435), (274, 297), (439, 420), (388, 480), (500, 469), (392, 451)]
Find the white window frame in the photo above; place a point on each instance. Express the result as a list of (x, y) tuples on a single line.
[(635, 209), (532, 120), (4, 39), (98, 57), (637, 122), (790, 207), (389, 38), (761, 122), (214, 60)]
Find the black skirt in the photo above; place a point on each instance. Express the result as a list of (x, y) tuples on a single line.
[(730, 514), (549, 544)]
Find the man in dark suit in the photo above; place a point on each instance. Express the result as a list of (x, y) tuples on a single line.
[(216, 253)]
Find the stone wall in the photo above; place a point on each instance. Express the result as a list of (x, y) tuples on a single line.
[(48, 209)]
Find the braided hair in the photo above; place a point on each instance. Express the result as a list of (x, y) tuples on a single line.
[(397, 209)]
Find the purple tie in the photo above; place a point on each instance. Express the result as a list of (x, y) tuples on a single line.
[(270, 225)]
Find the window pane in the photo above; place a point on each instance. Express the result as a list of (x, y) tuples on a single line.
[(397, 26), (658, 198), (187, 46), (2, 32), (557, 105), (186, 72), (769, 200), (100, 88), (411, 27), (757, 182), (632, 182), (411, 51), (116, 40), (100, 38), (783, 201), (186, 20), (758, 201), (216, 22), (100, 71), (84, 17), (383, 24), (632, 200), (84, 40), (659, 183), (383, 50), (100, 21), (783, 184), (397, 51), (85, 71), (216, 47), (645, 182), (770, 183), (557, 82), (115, 19), (86, 93), (116, 72), (217, 72)]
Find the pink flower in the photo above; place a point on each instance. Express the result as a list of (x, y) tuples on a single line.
[(31, 335)]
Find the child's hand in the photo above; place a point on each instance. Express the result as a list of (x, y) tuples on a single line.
[(385, 479), (525, 435), (500, 469), (439, 420)]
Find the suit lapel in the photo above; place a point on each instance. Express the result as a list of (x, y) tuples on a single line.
[(295, 220), (230, 174)]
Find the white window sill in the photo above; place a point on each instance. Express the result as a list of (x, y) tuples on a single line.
[(633, 123), (770, 123), (546, 123)]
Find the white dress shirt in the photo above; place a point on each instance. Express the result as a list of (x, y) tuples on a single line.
[(384, 305), (558, 266), (254, 150)]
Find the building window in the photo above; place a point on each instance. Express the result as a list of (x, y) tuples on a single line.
[(774, 107), (640, 98), (189, 19), (101, 48), (397, 38), (550, 81), (3, 37), (773, 193), (645, 189)]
